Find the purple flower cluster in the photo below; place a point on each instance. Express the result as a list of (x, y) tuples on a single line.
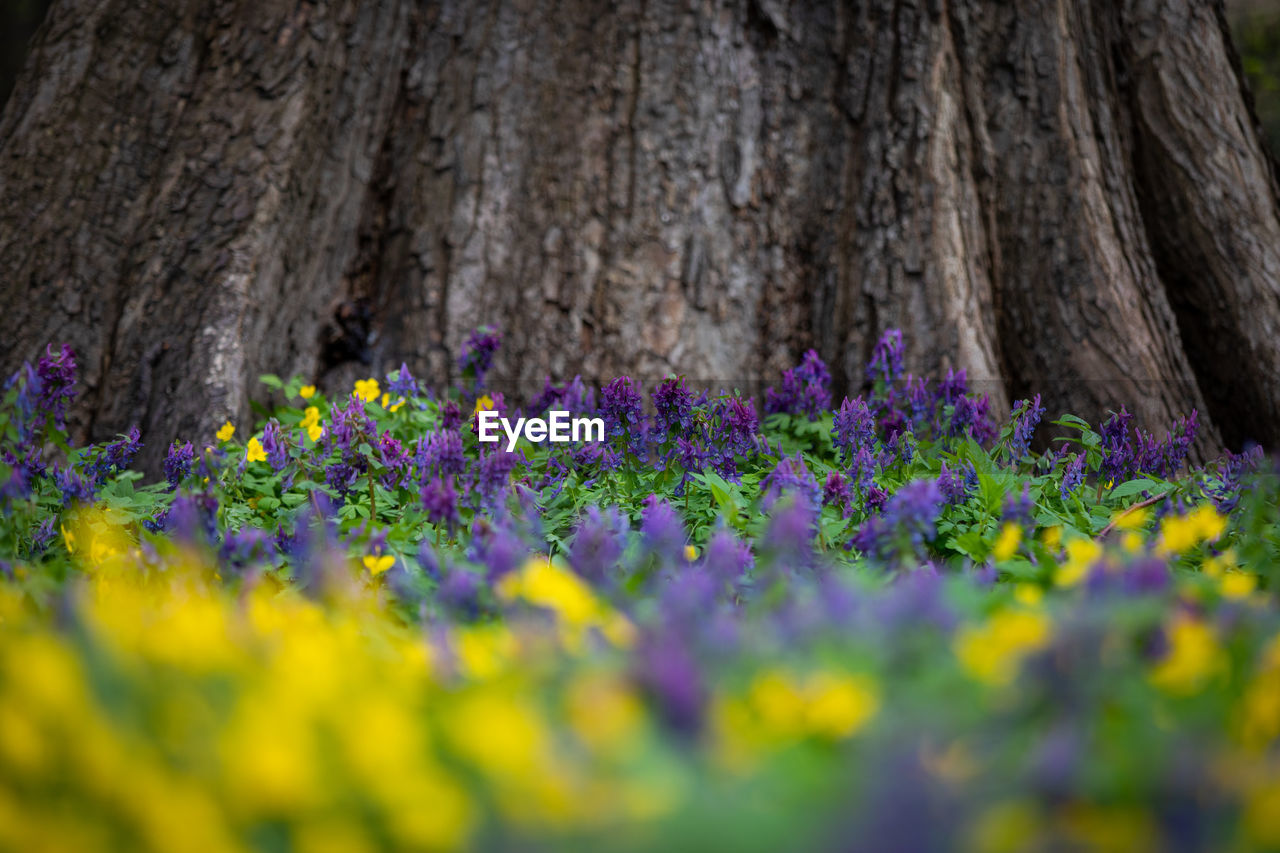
[(792, 477), (674, 404), (623, 411), (1072, 475), (440, 502), (177, 464), (477, 356), (1125, 455), (886, 358), (439, 454), (908, 521), (274, 445), (854, 429), (1026, 416), (806, 389), (401, 383), (57, 373)]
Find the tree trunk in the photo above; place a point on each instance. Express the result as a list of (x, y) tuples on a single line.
[(1060, 196)]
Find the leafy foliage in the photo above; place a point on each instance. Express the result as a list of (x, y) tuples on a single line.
[(357, 625)]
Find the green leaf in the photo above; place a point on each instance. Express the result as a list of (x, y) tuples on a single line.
[(1133, 487)]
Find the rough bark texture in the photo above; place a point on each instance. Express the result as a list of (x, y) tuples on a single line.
[(1061, 197)]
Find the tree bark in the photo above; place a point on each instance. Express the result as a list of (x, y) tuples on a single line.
[(1061, 197)]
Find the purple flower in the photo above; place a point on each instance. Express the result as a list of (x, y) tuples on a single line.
[(1164, 459), (909, 520), (791, 476), (863, 469), (674, 405), (971, 417), (494, 476), (836, 492), (727, 558), (549, 397), (952, 485), (177, 463), (460, 593), (622, 408), (806, 389), (1225, 487), (247, 546), (477, 356), (441, 503), (921, 403), (194, 518), (401, 383), (450, 416), (42, 536), (73, 486), (1026, 415), (1117, 450), (886, 358), (274, 445), (598, 543), (693, 457), (439, 453), (499, 549), (1072, 475), (341, 477), (953, 388), (661, 530), (671, 676), (1021, 509), (57, 372), (738, 423), (116, 456), (854, 428), (395, 459)]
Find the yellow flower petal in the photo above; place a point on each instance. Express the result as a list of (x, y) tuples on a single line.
[(226, 431), (1007, 543), (377, 565), (254, 452), (306, 392)]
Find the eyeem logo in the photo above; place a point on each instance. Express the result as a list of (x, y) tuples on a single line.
[(558, 428)]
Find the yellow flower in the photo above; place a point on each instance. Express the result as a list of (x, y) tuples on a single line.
[(1007, 543), (827, 704), (604, 712), (306, 392), (483, 404), (1132, 519), (377, 565), (311, 423), (542, 583), (1028, 594), (1193, 657), (1179, 535), (69, 538), (226, 431), (1081, 555), (1238, 584), (690, 553), (254, 452), (1052, 537), (396, 405), (992, 652), (386, 399), (367, 389)]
